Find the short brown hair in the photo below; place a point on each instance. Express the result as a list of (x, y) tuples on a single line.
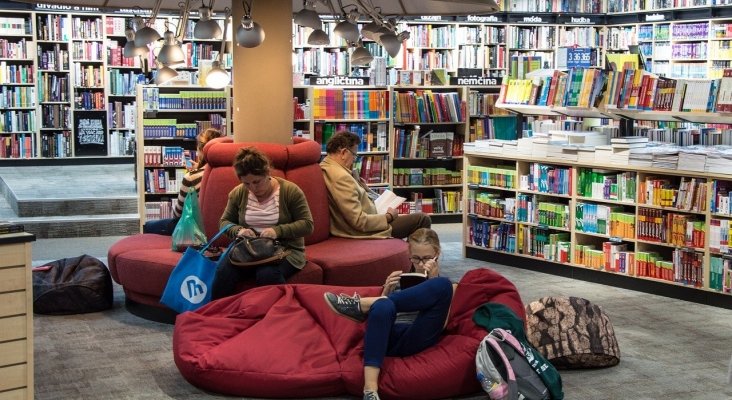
[(251, 161), (205, 136), (342, 140)]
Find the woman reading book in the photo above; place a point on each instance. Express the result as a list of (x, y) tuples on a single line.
[(401, 322)]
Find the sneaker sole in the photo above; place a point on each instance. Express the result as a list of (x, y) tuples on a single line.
[(338, 312)]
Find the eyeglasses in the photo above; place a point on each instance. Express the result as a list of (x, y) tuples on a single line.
[(422, 260), (352, 152)]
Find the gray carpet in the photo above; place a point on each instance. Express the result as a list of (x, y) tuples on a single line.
[(670, 349)]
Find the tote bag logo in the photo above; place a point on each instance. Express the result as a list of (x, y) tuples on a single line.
[(193, 289)]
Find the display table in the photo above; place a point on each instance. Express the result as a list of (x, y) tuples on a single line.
[(16, 317)]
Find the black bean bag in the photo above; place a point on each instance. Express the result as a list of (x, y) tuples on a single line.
[(72, 286)]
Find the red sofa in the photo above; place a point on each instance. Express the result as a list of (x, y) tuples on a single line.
[(142, 263), (285, 342)]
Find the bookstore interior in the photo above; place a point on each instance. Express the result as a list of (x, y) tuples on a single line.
[(593, 137)]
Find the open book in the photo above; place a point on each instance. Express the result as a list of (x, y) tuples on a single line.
[(387, 199), (410, 279)]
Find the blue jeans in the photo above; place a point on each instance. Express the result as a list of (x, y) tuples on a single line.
[(384, 337)]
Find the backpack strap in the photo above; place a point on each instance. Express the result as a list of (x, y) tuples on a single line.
[(492, 341)]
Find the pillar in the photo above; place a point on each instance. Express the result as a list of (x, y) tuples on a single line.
[(262, 76)]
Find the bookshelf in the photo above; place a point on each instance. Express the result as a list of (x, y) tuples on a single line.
[(428, 128), (170, 118), (68, 91), (653, 225), (17, 83)]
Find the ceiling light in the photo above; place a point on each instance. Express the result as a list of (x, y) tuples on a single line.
[(307, 17), (369, 31), (249, 34), (146, 35), (361, 56), (318, 38), (171, 52), (391, 44), (206, 28), (217, 77), (347, 29), (130, 50), (164, 74)]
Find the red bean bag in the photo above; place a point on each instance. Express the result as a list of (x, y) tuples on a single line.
[(284, 341)]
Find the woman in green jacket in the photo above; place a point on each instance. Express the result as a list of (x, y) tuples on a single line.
[(266, 206)]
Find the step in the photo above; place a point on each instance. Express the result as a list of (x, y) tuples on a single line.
[(71, 200), (82, 225)]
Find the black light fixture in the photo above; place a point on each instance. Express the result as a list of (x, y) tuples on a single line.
[(308, 17), (249, 34)]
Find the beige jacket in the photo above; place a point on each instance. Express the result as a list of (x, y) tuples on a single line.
[(352, 213)]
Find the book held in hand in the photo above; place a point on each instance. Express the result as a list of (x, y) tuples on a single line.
[(409, 279), (386, 200)]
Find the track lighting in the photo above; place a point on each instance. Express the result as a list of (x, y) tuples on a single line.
[(318, 38), (171, 53), (249, 34), (347, 29), (361, 56)]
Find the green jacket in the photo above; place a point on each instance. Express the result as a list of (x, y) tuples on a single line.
[(295, 221), (496, 315)]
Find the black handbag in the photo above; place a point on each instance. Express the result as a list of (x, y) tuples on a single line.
[(251, 252)]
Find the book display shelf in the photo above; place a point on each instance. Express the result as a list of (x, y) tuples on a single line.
[(67, 90), (171, 118), (428, 130), (644, 223)]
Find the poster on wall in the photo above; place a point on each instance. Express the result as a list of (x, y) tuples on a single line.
[(90, 133)]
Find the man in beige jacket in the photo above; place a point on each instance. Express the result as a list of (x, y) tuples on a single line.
[(352, 212)]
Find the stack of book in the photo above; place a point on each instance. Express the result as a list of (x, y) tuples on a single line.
[(665, 157), (718, 161), (693, 158)]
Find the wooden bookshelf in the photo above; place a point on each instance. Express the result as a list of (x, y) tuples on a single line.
[(696, 261)]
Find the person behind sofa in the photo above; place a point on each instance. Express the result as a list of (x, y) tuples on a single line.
[(266, 206), (191, 181), (352, 211), (400, 322)]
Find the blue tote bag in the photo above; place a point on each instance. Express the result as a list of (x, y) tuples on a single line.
[(189, 285)]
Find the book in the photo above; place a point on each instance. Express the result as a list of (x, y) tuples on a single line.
[(409, 279), (388, 199)]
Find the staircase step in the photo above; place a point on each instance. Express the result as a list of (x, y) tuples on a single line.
[(81, 225), (77, 206), (71, 200)]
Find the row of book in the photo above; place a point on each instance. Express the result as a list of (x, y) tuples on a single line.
[(627, 88), (53, 59), (56, 116), (547, 178), (501, 127), (53, 88), (606, 185), (349, 104), (18, 145), (17, 121), (425, 177), (162, 180), (371, 139), (166, 156), (425, 106), (688, 194), (87, 51), (16, 49), (15, 73), (89, 100), (56, 144), (17, 96), (491, 205), (158, 209), (411, 144), (373, 169), (184, 100), (502, 177), (604, 219)]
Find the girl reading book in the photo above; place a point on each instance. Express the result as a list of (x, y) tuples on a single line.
[(401, 322)]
